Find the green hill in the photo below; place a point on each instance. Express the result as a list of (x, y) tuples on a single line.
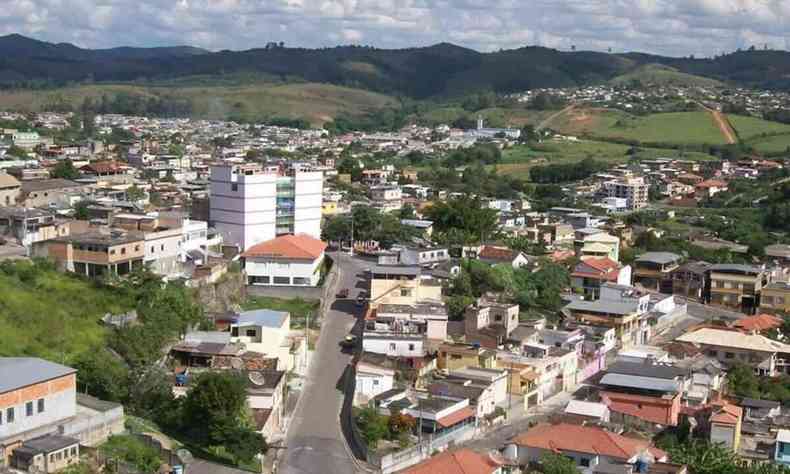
[(52, 315), (658, 74)]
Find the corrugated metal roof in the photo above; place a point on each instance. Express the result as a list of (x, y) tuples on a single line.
[(18, 372), (643, 383), (262, 317)]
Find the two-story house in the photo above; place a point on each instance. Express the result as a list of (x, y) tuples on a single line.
[(737, 286), (269, 332), (490, 323), (621, 307), (653, 270), (766, 356), (590, 273), (95, 253)]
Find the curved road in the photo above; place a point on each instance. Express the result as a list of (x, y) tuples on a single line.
[(315, 443)]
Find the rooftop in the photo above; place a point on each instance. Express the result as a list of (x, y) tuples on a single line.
[(659, 257), (462, 461), (733, 339), (18, 372), (262, 317), (300, 246)]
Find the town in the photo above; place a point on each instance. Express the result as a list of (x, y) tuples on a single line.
[(219, 297)]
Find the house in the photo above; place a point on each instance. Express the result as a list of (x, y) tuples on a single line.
[(758, 324), (439, 416), (653, 270), (724, 424), (426, 227), (288, 260), (592, 449), (266, 392), (707, 378), (764, 355), (453, 356), (596, 243), (49, 192), (269, 332), (494, 255), (779, 252), (41, 415), (401, 285), (484, 388), (690, 280), (582, 412), (29, 226), (372, 380), (490, 323), (590, 273), (540, 371), (95, 253), (736, 286), (760, 410), (775, 298), (9, 190), (782, 449), (458, 461), (404, 330), (623, 308), (423, 256), (709, 188)]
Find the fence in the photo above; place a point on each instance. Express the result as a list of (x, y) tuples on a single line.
[(398, 460)]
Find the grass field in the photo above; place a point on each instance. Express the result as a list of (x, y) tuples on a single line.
[(774, 144), (753, 127), (52, 315), (675, 127), (296, 306), (317, 103)]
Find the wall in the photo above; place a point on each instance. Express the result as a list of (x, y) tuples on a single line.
[(401, 349), (59, 403), (308, 199), (288, 268)]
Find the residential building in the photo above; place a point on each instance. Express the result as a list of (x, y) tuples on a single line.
[(401, 285), (593, 449), (653, 270), (691, 281), (288, 260), (49, 192), (95, 253), (494, 255), (590, 273), (758, 324), (422, 256), (372, 380), (544, 371), (737, 286), (29, 226), (26, 140), (581, 412), (725, 423), (43, 420), (489, 323), (454, 356), (438, 416), (766, 356), (782, 449), (709, 188), (775, 298), (463, 460), (596, 243), (387, 197), (9, 190), (269, 332), (250, 204), (400, 330), (623, 308), (633, 190), (266, 392)]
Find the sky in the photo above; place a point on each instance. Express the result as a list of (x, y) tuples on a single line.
[(669, 27)]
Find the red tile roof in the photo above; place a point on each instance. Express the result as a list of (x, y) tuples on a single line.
[(102, 167), (759, 322), (300, 246), (652, 409), (726, 413), (462, 461), (603, 268), (456, 417), (584, 439), (497, 253), (712, 183)]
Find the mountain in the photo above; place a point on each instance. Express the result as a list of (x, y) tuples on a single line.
[(440, 70)]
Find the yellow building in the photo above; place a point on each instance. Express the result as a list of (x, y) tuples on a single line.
[(401, 285), (329, 208), (775, 298), (458, 356)]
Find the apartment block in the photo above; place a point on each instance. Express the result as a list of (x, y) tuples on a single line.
[(737, 287), (633, 190)]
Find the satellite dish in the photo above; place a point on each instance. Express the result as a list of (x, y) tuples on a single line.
[(237, 363), (257, 378)]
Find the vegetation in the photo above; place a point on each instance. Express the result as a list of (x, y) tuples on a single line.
[(461, 221), (752, 127), (553, 463), (298, 307), (65, 170), (133, 452), (375, 427), (561, 173), (660, 75), (368, 224)]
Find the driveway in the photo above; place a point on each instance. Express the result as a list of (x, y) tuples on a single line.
[(314, 443)]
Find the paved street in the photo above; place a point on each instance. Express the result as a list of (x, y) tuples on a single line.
[(314, 443)]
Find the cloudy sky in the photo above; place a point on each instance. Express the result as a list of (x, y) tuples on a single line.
[(672, 27)]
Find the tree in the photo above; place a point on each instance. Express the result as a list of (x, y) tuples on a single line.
[(407, 212), (463, 219), (742, 381), (17, 152), (132, 451), (553, 463), (65, 170), (135, 193), (215, 405), (81, 211), (102, 375), (373, 426)]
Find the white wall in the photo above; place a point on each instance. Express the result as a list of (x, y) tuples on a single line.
[(370, 385), (246, 216), (401, 347), (308, 199), (258, 267), (57, 407)]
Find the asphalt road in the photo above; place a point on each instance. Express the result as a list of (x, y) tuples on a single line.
[(314, 443)]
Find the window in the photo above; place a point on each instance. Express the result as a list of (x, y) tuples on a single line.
[(153, 249), (498, 317), (729, 355), (123, 250), (162, 247), (301, 281), (282, 280), (234, 332), (405, 291), (136, 249), (375, 383), (392, 346), (250, 333), (411, 347), (584, 462), (1, 417), (9, 415), (234, 187), (52, 458), (29, 409), (73, 452), (40, 405)]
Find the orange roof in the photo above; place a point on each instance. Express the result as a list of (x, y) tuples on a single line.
[(759, 322), (300, 246), (602, 268), (496, 253), (462, 461), (652, 409), (456, 417), (584, 439), (712, 183), (726, 413), (103, 167)]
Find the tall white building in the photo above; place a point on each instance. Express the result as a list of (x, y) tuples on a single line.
[(633, 190), (250, 205)]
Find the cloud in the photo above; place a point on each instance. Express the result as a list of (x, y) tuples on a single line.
[(672, 27)]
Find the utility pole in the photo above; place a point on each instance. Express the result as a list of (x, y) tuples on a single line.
[(307, 340), (351, 249)]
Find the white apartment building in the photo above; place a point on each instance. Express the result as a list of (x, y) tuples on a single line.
[(633, 190), (250, 205), (26, 140)]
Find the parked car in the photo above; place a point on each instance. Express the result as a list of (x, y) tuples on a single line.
[(343, 293), (349, 341)]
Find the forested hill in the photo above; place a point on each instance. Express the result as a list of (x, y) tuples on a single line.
[(441, 70)]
